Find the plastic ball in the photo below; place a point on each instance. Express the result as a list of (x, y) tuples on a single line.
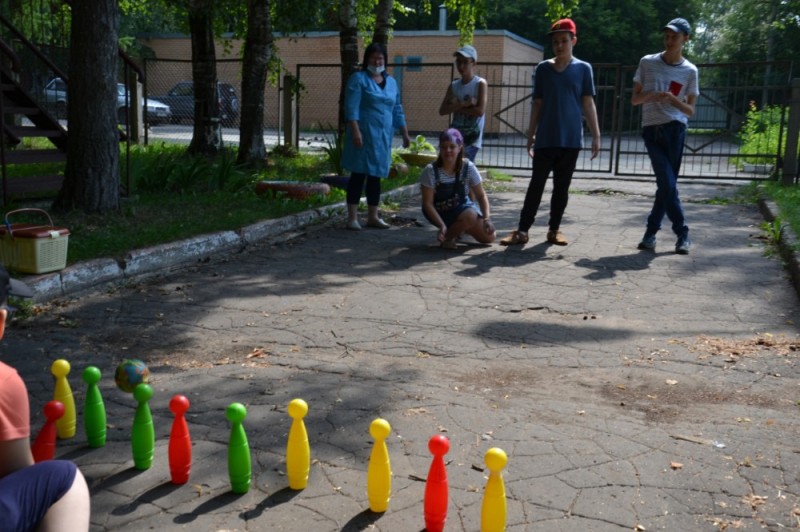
[(130, 373)]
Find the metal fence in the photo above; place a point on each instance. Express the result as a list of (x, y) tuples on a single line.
[(712, 151)]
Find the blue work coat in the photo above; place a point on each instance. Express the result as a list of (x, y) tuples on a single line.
[(378, 112)]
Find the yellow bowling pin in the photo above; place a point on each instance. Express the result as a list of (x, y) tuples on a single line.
[(379, 471), (63, 393), (493, 510), (298, 453)]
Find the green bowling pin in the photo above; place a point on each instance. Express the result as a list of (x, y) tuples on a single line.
[(143, 435), (94, 410), (239, 469)]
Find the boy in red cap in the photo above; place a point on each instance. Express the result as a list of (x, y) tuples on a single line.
[(666, 86), (51, 495), (563, 94)]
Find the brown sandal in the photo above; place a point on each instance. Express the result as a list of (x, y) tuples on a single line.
[(556, 237), (514, 238)]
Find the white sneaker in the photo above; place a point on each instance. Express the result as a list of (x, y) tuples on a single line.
[(378, 224), (353, 225)]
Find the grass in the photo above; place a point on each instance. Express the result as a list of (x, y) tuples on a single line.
[(176, 197), (788, 201)]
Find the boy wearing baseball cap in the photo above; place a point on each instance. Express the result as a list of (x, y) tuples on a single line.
[(50, 495), (466, 99), (666, 86), (563, 95)]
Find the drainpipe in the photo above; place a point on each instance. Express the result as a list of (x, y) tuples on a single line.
[(442, 18)]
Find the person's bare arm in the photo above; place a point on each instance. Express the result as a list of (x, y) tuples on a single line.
[(590, 112), (14, 455), (536, 110)]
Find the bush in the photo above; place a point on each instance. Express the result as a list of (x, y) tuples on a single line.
[(759, 137)]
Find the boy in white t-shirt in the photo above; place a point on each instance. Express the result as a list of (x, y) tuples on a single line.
[(466, 101), (666, 86)]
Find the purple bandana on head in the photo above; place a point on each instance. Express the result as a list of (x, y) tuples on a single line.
[(451, 135)]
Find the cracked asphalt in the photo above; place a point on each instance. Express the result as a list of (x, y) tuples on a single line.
[(631, 390)]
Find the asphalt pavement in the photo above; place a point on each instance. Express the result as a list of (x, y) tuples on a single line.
[(631, 390)]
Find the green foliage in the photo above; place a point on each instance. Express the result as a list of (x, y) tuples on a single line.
[(787, 198), (334, 149), (162, 168), (761, 134), (558, 9), (421, 145), (773, 230), (745, 30)]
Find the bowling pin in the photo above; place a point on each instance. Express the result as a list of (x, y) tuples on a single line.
[(94, 411), (493, 510), (298, 453), (143, 435), (63, 394), (379, 471), (436, 487), (239, 468), (44, 447), (180, 444)]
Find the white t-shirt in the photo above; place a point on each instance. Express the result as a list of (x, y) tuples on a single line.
[(655, 74), (462, 91)]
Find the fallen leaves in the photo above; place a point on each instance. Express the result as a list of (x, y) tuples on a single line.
[(754, 501), (734, 349)]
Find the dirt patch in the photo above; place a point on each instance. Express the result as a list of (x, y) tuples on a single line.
[(760, 345), (666, 401), (499, 378)]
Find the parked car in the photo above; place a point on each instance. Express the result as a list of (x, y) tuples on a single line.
[(180, 99), (157, 112), (55, 97)]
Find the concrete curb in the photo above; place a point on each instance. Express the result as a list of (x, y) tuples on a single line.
[(139, 263), (787, 243)]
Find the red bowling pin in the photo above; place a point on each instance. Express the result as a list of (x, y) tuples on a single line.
[(180, 444), (44, 447), (436, 485)]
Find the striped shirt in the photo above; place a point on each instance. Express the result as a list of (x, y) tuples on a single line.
[(428, 178), (655, 74)]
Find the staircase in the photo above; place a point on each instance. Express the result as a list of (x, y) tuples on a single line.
[(24, 117)]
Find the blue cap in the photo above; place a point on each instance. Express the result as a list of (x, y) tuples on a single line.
[(678, 25)]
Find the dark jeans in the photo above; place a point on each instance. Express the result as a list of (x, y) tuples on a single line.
[(356, 185), (664, 144), (561, 161)]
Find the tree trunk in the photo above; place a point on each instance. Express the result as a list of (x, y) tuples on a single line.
[(257, 55), (348, 49), (91, 175), (207, 133), (383, 22)]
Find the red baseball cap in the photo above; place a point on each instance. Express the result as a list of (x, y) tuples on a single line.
[(565, 24)]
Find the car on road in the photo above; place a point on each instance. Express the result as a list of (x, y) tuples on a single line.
[(55, 98), (180, 99), (157, 112)]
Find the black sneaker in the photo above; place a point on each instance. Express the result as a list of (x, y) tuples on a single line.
[(682, 245), (648, 243)]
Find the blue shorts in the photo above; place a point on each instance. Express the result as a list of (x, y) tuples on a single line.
[(449, 217), (28, 493)]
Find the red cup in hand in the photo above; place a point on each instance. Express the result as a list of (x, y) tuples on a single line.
[(675, 87)]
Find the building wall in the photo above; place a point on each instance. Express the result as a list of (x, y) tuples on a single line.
[(421, 62)]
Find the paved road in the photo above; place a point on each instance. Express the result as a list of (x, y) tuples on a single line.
[(631, 390)]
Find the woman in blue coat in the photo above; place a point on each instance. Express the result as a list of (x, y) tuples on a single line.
[(372, 111)]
